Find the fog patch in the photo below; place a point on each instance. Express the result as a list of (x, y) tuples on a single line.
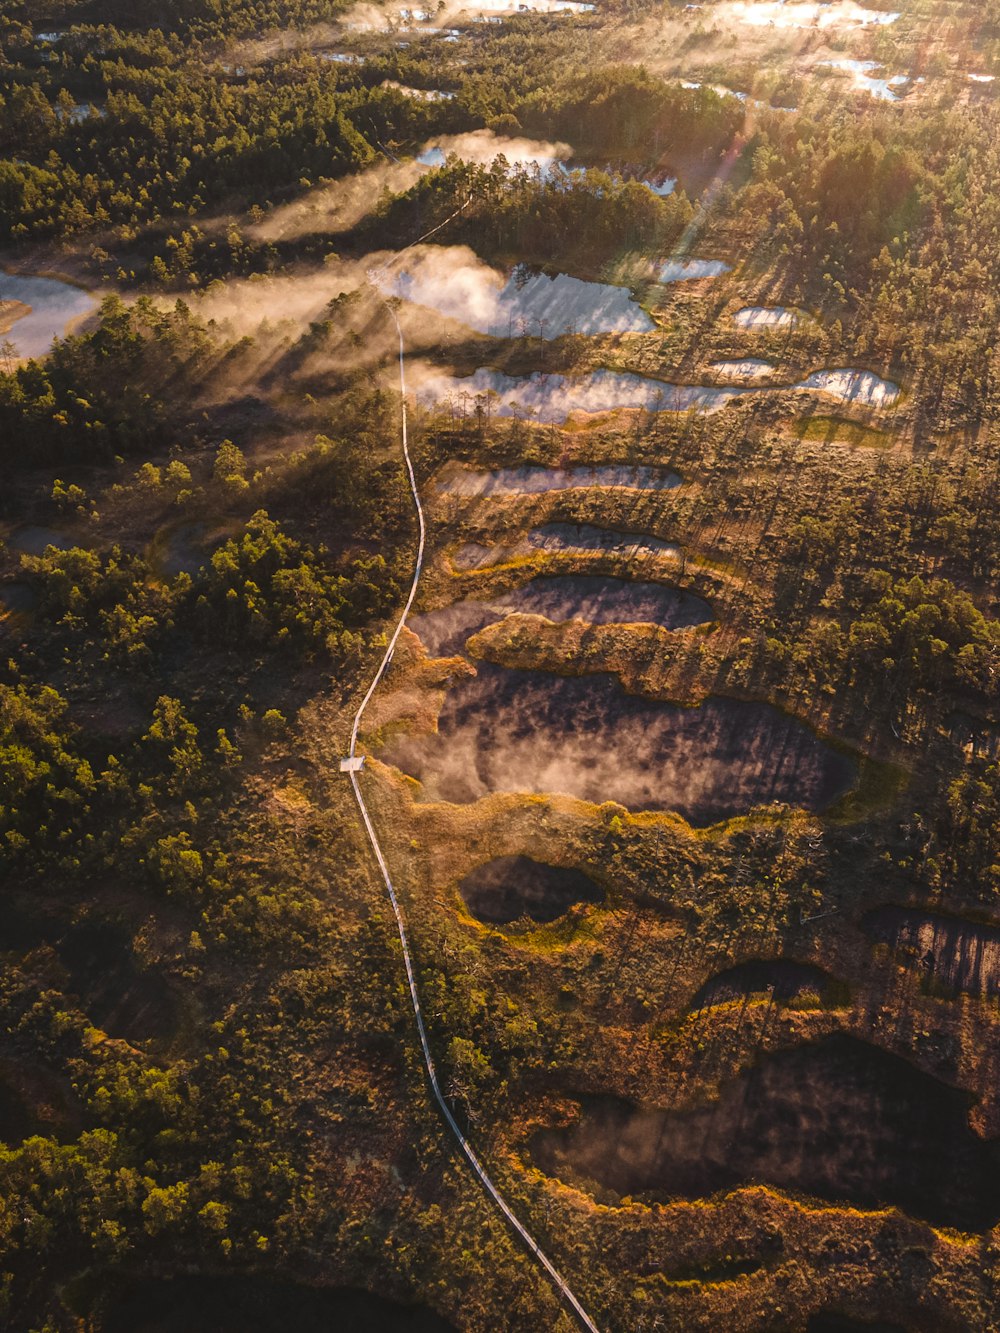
[(242, 306), (521, 731), (483, 147), (340, 207), (275, 313), (259, 326), (457, 284), (803, 14), (446, 631), (555, 397)]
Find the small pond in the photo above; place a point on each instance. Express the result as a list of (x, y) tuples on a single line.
[(560, 538), (54, 306), (16, 598), (420, 94), (528, 6), (837, 1119), (35, 1101), (817, 15), (830, 1321), (518, 886), (33, 539), (687, 270), (719, 88), (767, 317), (961, 956), (555, 397), (254, 1304), (521, 731), (18, 1120), (781, 978), (187, 548), (525, 305), (595, 599), (541, 480), (81, 112), (975, 735), (864, 80), (853, 386), (748, 369), (120, 997)]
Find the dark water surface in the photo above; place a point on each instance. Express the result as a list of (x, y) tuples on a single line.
[(118, 994), (595, 599), (780, 977), (838, 1119), (515, 886), (206, 1304), (528, 480), (524, 731), (565, 538), (962, 956)]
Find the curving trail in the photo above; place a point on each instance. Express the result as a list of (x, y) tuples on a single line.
[(558, 1281)]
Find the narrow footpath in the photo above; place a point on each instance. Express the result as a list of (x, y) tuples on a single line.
[(351, 765)]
